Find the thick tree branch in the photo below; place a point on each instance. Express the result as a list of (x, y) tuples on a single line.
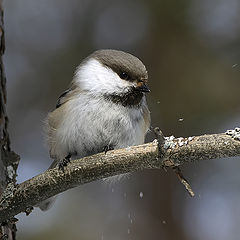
[(174, 152)]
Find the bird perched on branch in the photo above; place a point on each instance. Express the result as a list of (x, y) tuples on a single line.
[(104, 108)]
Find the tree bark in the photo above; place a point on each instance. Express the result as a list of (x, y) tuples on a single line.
[(8, 159), (171, 152)]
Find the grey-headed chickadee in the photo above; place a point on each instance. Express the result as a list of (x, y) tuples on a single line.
[(104, 108)]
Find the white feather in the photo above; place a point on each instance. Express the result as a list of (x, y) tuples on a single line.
[(94, 77), (91, 123)]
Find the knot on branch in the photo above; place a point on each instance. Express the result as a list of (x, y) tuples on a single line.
[(165, 143), (161, 141)]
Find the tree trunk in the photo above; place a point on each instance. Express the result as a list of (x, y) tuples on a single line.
[(8, 159)]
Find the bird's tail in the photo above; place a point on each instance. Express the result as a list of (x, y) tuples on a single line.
[(46, 204)]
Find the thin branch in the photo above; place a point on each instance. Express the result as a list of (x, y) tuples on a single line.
[(178, 151), (184, 181)]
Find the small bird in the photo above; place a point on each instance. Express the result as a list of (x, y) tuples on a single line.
[(104, 108)]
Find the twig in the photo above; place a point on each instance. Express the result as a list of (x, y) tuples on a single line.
[(183, 180)]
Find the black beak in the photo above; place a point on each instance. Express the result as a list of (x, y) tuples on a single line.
[(143, 88)]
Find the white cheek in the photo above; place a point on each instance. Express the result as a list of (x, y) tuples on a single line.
[(93, 76)]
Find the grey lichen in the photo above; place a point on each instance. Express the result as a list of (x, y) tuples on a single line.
[(235, 133), (11, 172), (169, 143), (172, 142), (7, 195)]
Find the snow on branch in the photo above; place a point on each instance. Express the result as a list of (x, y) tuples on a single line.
[(162, 153)]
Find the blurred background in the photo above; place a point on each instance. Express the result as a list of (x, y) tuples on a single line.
[(192, 52)]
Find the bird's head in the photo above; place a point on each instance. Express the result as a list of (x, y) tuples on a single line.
[(112, 73)]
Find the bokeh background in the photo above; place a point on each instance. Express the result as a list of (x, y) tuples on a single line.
[(192, 52)]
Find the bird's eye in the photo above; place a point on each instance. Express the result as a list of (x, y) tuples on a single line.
[(124, 75)]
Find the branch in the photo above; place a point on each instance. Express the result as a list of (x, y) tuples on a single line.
[(174, 152)]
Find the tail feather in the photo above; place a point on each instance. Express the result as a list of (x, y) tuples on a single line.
[(46, 204)]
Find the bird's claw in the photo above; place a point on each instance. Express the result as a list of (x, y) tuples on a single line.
[(108, 148), (64, 162)]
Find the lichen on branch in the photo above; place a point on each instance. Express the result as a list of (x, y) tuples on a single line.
[(177, 152)]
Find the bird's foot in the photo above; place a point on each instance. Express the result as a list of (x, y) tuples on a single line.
[(63, 163), (107, 148)]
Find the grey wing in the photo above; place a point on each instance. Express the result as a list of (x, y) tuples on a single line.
[(62, 98), (67, 95)]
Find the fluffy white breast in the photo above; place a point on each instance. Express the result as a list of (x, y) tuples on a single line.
[(97, 78)]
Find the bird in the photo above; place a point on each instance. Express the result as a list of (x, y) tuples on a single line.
[(104, 108)]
